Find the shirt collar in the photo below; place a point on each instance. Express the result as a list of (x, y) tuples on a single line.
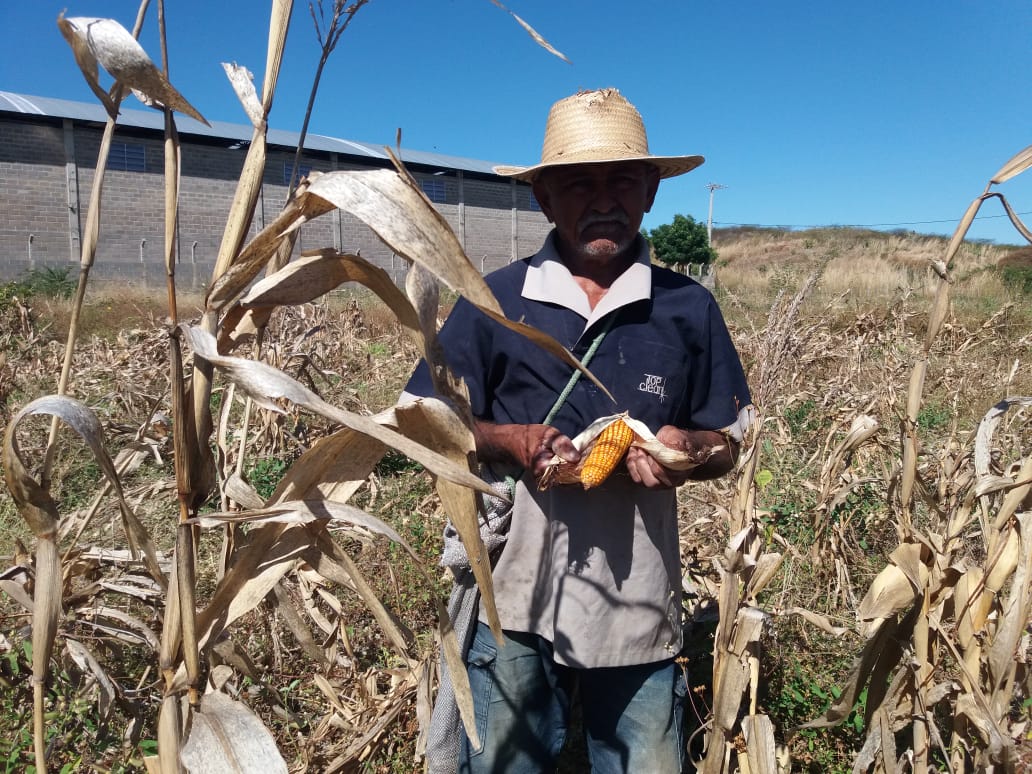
[(549, 280)]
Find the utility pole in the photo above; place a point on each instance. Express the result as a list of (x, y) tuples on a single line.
[(713, 187)]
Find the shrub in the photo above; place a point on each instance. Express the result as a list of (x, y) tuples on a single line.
[(50, 281), (1015, 270)]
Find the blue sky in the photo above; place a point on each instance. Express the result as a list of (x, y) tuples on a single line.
[(890, 114)]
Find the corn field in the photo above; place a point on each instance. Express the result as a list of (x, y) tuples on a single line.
[(244, 608)]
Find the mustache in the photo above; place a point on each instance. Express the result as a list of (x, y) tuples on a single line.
[(616, 216)]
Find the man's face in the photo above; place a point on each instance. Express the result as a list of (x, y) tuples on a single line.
[(597, 208)]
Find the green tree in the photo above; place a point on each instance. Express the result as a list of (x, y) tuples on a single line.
[(680, 242)]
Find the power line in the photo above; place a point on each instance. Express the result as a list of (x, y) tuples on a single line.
[(863, 225)]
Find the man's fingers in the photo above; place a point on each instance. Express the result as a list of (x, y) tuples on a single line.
[(644, 470), (563, 447)]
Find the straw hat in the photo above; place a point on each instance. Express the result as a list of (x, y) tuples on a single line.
[(594, 127)]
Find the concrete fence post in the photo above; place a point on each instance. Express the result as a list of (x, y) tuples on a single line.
[(32, 262), (143, 266)]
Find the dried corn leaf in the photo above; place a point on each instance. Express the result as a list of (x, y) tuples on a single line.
[(133, 630), (330, 693), (34, 502), (400, 214), (1016, 221), (533, 33), (305, 512), (265, 384), (226, 737), (1004, 560), (16, 591), (1014, 166), (820, 621), (962, 228), (316, 273), (242, 493), (411, 227), (242, 81), (1017, 495), (240, 325), (987, 429), (1014, 616), (334, 468), (881, 655), (25, 490), (994, 737), (889, 593), (764, 571), (425, 295), (862, 428), (89, 665), (279, 600), (271, 552), (435, 424), (113, 46), (328, 559), (972, 605), (241, 269)]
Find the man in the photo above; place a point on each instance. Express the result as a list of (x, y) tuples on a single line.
[(588, 586)]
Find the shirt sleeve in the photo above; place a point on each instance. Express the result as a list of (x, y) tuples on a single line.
[(719, 392), (465, 341)]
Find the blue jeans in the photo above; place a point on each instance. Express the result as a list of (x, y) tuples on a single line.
[(521, 697)]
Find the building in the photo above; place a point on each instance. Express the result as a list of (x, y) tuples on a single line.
[(48, 155)]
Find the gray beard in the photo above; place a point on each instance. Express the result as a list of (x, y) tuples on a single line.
[(604, 248)]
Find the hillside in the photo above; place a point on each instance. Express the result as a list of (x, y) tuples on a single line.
[(855, 261)]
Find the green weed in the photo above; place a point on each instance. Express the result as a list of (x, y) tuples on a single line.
[(265, 474), (801, 417), (934, 416)]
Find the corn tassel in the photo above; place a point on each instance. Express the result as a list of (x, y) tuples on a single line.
[(609, 449)]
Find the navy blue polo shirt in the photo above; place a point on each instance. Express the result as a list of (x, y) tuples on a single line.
[(667, 357), (597, 573)]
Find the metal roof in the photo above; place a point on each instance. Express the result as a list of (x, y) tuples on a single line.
[(221, 130)]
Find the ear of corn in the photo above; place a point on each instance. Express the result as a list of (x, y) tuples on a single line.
[(607, 452)]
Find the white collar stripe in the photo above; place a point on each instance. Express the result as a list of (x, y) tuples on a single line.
[(549, 281)]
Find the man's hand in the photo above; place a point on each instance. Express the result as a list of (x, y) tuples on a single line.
[(644, 469), (527, 446)]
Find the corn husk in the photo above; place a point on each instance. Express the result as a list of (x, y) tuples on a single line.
[(560, 471)]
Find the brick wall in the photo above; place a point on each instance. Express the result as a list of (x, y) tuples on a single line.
[(47, 173)]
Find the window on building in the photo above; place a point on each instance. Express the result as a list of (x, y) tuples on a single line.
[(127, 157), (535, 206), (303, 170), (435, 190)]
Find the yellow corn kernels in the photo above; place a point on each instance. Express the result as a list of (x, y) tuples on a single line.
[(609, 449)]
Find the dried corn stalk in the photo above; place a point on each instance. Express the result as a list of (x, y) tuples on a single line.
[(949, 629)]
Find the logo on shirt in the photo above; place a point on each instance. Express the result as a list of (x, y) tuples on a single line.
[(655, 385)]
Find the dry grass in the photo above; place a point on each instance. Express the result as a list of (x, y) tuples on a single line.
[(816, 362), (866, 266)]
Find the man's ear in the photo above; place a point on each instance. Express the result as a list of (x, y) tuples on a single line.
[(653, 187)]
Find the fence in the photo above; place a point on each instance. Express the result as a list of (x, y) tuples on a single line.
[(137, 259)]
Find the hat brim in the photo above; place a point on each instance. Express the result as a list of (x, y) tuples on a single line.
[(668, 166)]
